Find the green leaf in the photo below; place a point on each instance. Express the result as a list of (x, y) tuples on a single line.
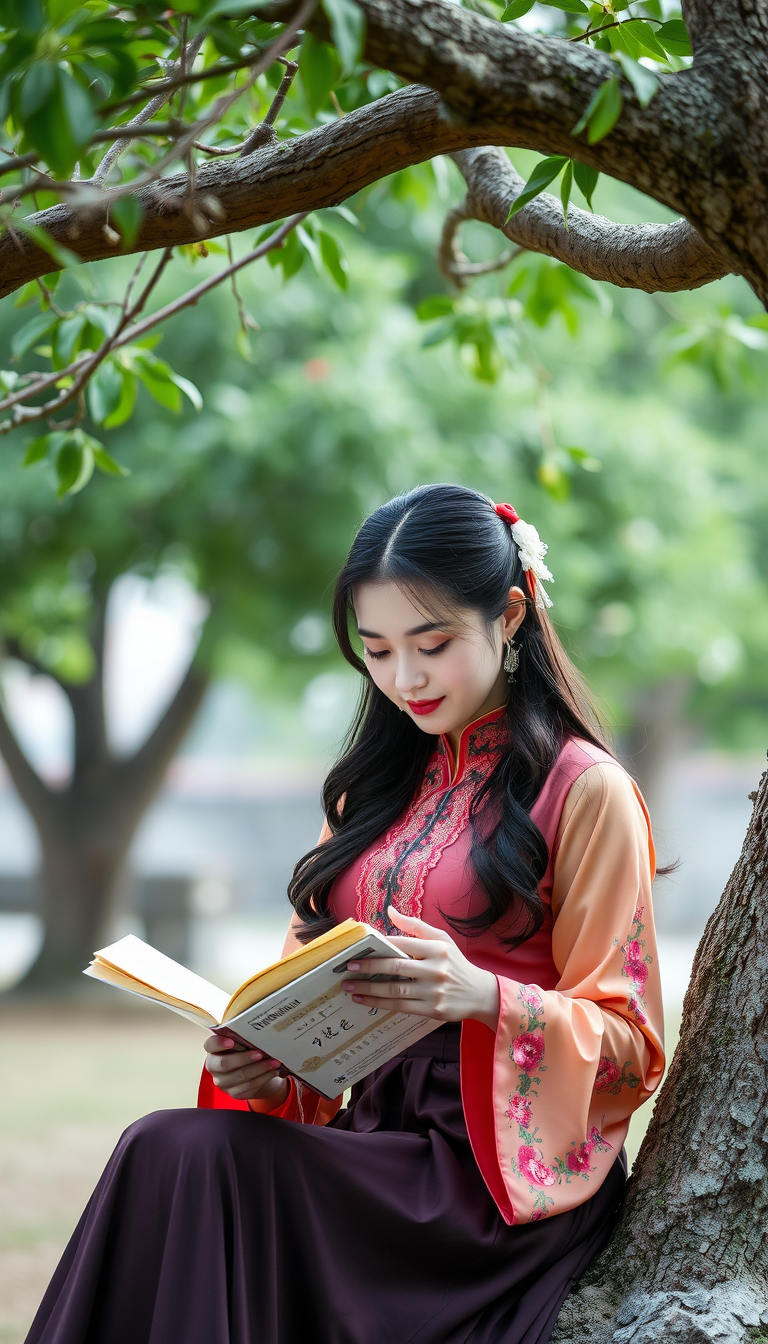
[(191, 392), (516, 9), (570, 6), (644, 82), (437, 305), (310, 247), (333, 259), (106, 463), (39, 448), (124, 409), (673, 37), (565, 190), (602, 113), (546, 171), (318, 70), (127, 213), (643, 33), (66, 339), (57, 115), (74, 463), (586, 180), (104, 391), (347, 22), (30, 334)]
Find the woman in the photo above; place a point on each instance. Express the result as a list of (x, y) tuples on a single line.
[(478, 818)]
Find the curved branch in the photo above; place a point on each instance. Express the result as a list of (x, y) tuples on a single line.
[(651, 257), (318, 169)]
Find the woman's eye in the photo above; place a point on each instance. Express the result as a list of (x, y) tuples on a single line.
[(431, 652), (371, 653)]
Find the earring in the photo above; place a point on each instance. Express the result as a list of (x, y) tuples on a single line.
[(511, 660)]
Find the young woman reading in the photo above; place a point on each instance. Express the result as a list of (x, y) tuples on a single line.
[(478, 817)]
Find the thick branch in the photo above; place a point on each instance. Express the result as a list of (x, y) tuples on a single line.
[(142, 774), (321, 168), (31, 788), (651, 257)]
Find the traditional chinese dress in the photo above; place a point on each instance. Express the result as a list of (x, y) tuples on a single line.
[(471, 1179)]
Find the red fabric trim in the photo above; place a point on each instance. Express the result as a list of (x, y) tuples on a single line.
[(478, 1051), (211, 1098)]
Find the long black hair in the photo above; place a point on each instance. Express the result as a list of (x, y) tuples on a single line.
[(448, 549)]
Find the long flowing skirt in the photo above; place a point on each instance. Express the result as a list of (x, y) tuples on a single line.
[(227, 1227)]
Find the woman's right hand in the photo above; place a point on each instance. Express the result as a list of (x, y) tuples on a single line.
[(244, 1074)]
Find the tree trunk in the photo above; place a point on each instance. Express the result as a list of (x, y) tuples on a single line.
[(86, 829), (688, 1262)]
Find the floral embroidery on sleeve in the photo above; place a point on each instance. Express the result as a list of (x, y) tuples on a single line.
[(527, 1052), (635, 966), (610, 1078)]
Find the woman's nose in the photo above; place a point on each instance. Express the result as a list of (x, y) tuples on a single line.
[(409, 677)]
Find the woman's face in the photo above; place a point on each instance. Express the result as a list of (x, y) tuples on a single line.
[(444, 676)]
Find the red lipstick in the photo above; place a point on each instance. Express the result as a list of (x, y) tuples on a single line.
[(424, 706)]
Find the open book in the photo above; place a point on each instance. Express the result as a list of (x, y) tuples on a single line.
[(295, 1010)]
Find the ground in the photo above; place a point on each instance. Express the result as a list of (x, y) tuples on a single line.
[(72, 1079)]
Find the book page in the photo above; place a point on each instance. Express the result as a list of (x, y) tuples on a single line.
[(296, 964), (147, 967)]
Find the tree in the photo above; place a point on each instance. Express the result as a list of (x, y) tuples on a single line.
[(689, 1259)]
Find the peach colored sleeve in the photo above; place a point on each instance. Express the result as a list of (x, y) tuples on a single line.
[(301, 1103), (548, 1103)]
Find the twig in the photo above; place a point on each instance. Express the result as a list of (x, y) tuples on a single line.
[(85, 365), (18, 161), (214, 149), (194, 77), (160, 99), (265, 132), (453, 263), (244, 317), (603, 27)]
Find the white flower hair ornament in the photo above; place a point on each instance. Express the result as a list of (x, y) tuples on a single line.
[(531, 550)]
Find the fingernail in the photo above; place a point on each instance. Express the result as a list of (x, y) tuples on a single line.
[(274, 1063), (255, 1054), (349, 984), (353, 966), (357, 998)]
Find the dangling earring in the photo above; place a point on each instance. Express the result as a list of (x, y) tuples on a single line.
[(511, 660)]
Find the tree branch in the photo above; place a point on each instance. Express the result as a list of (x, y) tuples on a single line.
[(33, 791), (142, 774), (651, 257), (309, 172)]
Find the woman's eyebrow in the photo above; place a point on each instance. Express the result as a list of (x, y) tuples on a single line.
[(417, 630)]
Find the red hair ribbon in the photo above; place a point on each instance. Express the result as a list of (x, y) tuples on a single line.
[(511, 515), (506, 512)]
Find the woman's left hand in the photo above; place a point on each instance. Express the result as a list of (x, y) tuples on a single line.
[(441, 982)]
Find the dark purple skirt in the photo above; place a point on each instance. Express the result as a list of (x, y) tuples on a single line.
[(221, 1227)]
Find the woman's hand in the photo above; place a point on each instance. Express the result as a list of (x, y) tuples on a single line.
[(441, 982), (245, 1074)]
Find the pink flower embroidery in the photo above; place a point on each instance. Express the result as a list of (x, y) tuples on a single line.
[(519, 1110), (633, 950), (531, 997), (635, 1007), (595, 1137), (527, 1051), (607, 1073), (532, 1167), (579, 1159), (638, 915), (637, 972)]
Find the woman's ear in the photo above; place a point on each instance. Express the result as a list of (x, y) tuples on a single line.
[(515, 612)]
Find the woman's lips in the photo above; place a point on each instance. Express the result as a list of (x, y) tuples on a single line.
[(424, 706)]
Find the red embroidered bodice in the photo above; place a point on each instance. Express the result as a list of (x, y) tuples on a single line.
[(422, 862)]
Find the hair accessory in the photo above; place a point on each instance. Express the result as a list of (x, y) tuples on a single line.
[(531, 550), (511, 660)]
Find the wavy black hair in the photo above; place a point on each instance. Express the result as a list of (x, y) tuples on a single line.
[(448, 549)]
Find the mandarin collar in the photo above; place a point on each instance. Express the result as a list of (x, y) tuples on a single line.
[(457, 765)]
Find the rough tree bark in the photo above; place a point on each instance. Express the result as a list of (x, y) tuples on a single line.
[(688, 1262), (700, 147), (86, 828)]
